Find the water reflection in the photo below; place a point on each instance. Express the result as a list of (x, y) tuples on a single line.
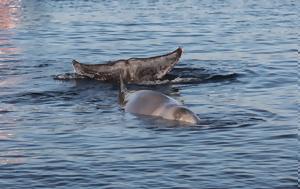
[(4, 135), (4, 82), (9, 13), (11, 157)]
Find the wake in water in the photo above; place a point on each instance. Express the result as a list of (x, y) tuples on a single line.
[(176, 76)]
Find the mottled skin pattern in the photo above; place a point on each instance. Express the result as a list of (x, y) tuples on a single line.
[(133, 70), (148, 102)]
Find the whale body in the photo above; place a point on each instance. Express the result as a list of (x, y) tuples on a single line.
[(154, 103)]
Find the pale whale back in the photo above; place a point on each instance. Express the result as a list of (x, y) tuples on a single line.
[(148, 102)]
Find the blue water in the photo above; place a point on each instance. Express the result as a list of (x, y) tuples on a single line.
[(72, 134)]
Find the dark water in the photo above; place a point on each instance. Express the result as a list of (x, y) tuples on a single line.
[(72, 134)]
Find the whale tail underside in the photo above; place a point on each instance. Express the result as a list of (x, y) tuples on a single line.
[(134, 70), (122, 92)]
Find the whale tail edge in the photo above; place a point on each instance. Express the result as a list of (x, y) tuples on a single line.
[(122, 92)]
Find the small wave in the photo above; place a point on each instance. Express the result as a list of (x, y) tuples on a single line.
[(3, 111), (43, 96), (42, 65), (284, 136), (5, 136)]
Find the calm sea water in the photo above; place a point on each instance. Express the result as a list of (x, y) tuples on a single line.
[(72, 134)]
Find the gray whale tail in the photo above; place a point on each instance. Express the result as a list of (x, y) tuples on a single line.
[(133, 70)]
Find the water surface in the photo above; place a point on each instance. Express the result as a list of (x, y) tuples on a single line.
[(72, 133)]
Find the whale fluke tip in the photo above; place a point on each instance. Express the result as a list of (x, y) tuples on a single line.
[(179, 50), (75, 62)]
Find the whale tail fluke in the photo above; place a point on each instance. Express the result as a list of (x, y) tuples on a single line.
[(122, 92), (140, 69)]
